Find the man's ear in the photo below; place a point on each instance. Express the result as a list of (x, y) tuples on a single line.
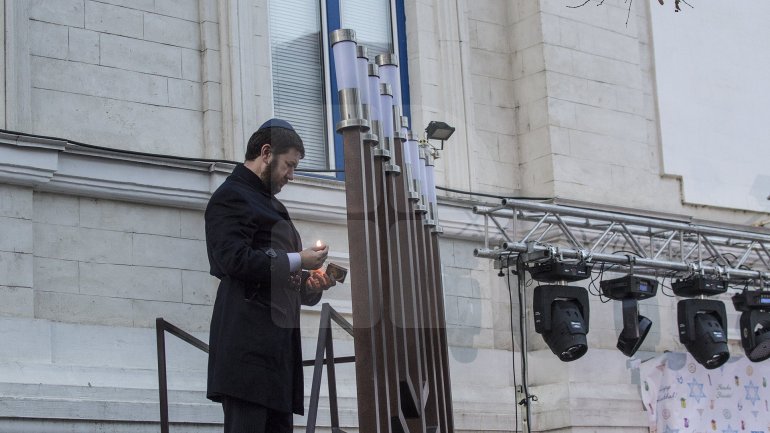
[(265, 151)]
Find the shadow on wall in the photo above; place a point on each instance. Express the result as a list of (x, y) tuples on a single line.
[(760, 190), (463, 312)]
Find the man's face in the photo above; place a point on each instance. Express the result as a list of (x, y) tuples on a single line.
[(281, 169)]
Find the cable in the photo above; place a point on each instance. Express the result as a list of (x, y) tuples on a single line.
[(151, 155), (226, 161), (520, 273), (481, 194), (123, 151), (513, 350)]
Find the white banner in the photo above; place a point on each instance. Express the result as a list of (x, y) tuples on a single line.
[(681, 396)]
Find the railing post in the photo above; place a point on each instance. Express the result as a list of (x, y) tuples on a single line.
[(160, 331), (332, 380), (315, 390)]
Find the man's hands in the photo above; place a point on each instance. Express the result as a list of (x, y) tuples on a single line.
[(318, 281), (314, 257)]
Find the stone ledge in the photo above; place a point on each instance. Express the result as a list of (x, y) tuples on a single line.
[(133, 409), (53, 165)]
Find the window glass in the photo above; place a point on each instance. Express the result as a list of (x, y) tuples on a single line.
[(371, 19), (298, 74)]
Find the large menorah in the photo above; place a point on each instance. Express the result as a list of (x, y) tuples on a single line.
[(402, 369)]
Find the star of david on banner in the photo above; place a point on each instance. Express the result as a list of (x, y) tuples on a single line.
[(696, 390), (752, 393)]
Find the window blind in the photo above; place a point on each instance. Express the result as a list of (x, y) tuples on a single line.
[(298, 74)]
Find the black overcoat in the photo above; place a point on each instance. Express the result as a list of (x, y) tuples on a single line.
[(255, 349)]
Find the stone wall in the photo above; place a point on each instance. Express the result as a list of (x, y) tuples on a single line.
[(548, 101), (143, 75)]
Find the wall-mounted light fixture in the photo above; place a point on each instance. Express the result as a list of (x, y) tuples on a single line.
[(437, 130)]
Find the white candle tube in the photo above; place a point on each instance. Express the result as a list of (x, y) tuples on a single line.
[(412, 152), (388, 74), (431, 184), (374, 92), (386, 110), (423, 177), (362, 64), (345, 64)]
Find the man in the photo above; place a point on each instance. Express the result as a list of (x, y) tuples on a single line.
[(255, 359)]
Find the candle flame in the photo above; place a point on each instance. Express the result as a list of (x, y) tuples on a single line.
[(318, 243)]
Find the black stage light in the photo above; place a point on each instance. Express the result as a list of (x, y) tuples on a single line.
[(699, 285), (553, 270), (755, 323), (630, 289), (635, 328), (703, 330), (439, 131), (561, 317)]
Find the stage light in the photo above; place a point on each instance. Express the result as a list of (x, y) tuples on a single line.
[(703, 330), (635, 328), (755, 323), (552, 270), (755, 334), (699, 285), (629, 290), (439, 131), (561, 317), (629, 287)]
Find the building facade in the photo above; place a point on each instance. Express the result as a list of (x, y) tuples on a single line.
[(120, 118)]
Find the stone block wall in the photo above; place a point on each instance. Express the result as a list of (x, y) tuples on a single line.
[(143, 75), (548, 101), (16, 251), (110, 263), (600, 105)]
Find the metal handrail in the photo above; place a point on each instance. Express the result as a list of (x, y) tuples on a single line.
[(161, 327), (324, 346)]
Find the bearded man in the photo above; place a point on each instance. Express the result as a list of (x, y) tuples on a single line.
[(255, 358)]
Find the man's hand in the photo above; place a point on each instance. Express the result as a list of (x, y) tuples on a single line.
[(318, 281), (314, 257)]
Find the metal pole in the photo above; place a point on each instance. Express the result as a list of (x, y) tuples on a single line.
[(365, 295), (629, 219), (622, 260), (315, 388), (162, 380), (438, 292), (521, 287)]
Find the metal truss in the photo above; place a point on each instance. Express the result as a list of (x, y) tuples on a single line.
[(657, 246)]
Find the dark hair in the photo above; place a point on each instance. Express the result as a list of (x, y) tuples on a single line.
[(281, 140)]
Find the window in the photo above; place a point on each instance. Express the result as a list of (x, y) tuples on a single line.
[(304, 92)]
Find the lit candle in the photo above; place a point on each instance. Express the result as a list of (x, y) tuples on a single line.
[(319, 244)]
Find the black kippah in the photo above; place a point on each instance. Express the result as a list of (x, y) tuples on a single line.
[(276, 123)]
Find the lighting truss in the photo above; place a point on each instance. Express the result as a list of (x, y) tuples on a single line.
[(650, 245)]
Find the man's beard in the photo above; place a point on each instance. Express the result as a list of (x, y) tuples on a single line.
[(272, 185)]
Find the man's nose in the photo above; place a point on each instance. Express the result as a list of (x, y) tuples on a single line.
[(290, 174)]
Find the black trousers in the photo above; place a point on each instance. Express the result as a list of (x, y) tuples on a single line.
[(246, 417)]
